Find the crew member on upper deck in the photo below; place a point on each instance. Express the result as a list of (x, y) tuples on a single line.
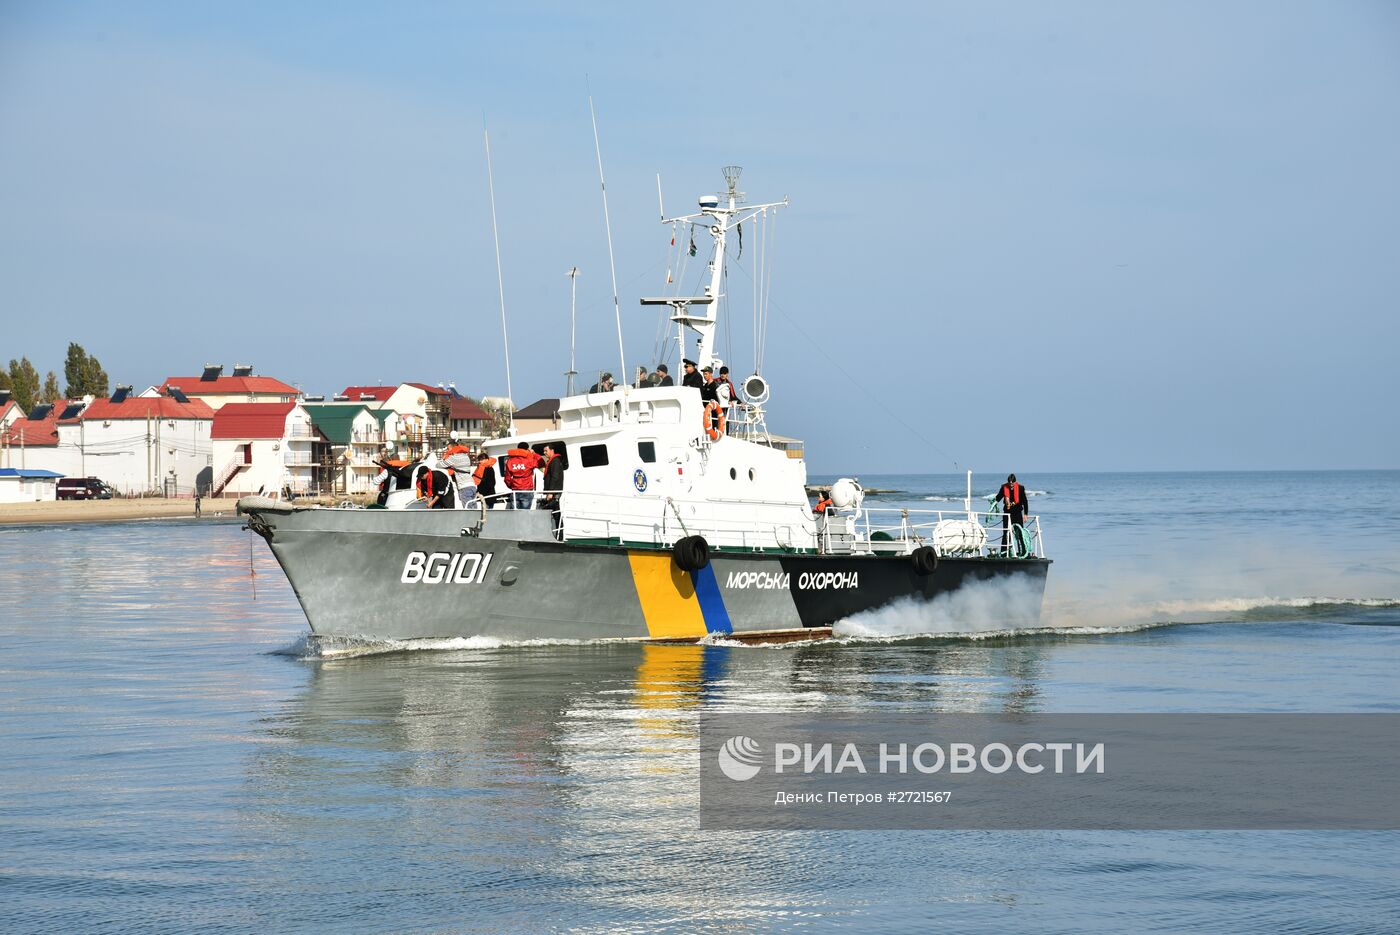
[(709, 390), (692, 376), (663, 376)]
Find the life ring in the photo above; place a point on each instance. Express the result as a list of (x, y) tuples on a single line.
[(712, 409)]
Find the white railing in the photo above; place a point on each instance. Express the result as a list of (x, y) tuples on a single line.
[(296, 457), (921, 527), (662, 521)]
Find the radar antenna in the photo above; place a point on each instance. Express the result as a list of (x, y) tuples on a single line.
[(731, 176)]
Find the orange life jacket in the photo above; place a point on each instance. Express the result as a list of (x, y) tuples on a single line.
[(520, 468), (481, 468), (1012, 494), (822, 505)]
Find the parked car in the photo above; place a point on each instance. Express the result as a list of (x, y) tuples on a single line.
[(83, 488)]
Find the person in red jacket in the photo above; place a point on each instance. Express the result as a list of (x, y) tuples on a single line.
[(520, 466), (1012, 496)]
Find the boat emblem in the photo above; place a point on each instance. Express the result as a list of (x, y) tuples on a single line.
[(639, 480)]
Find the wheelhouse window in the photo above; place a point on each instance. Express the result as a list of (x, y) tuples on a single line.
[(593, 455), (647, 451)]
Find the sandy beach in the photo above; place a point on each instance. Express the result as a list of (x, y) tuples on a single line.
[(107, 511)]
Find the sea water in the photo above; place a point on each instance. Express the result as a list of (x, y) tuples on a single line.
[(178, 757)]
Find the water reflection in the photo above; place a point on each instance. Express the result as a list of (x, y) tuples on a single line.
[(572, 767)]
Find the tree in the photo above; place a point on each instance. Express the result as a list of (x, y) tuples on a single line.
[(24, 383), (84, 374), (500, 419), (50, 391), (4, 379)]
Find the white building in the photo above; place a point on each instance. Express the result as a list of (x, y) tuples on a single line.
[(423, 411), (139, 444), (18, 485), (354, 435), (264, 448)]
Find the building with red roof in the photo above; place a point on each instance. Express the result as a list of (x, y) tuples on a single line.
[(471, 423), (137, 444), (266, 448), (217, 390), (423, 411)]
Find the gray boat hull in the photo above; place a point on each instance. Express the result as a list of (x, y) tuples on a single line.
[(381, 575)]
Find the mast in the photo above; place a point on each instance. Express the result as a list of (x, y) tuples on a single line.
[(720, 213), (500, 278)]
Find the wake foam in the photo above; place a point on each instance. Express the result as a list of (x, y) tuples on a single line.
[(994, 606), (316, 647)]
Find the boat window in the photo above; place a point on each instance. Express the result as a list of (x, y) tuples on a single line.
[(733, 474), (593, 455), (751, 475), (647, 451)]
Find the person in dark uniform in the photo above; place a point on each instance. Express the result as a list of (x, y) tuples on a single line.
[(692, 376), (604, 385), (663, 376), (709, 389), (552, 484), (1012, 496)]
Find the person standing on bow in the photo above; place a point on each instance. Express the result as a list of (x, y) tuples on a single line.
[(520, 466), (1012, 496), (553, 484)]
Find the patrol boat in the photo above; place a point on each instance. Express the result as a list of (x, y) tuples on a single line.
[(680, 520)]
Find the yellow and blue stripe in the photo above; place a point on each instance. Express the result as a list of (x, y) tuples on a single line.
[(677, 604)]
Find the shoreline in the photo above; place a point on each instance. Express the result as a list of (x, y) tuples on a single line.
[(65, 512)]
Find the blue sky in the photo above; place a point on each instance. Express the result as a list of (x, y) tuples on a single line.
[(1040, 237)]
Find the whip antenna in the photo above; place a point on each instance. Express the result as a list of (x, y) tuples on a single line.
[(500, 280), (612, 265), (573, 317)]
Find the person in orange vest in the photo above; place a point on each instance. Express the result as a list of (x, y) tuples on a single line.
[(457, 457), (553, 484), (520, 466), (393, 475), (1012, 496), (823, 505), (436, 488), (484, 479)]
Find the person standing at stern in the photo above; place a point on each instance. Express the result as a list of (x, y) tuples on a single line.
[(1012, 496)]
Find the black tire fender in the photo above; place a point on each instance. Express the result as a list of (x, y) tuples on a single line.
[(924, 559), (701, 552), (691, 553)]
